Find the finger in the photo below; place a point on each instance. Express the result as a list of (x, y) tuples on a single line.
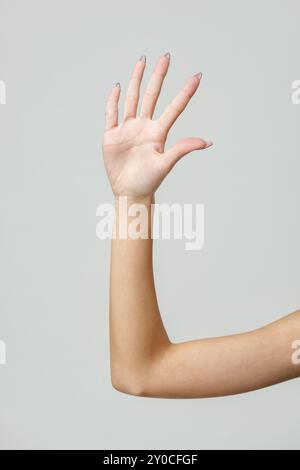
[(182, 148), (179, 103), (133, 90), (154, 86), (111, 111)]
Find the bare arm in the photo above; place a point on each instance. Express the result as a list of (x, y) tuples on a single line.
[(143, 360)]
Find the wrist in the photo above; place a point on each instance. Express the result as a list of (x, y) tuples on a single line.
[(133, 217), (129, 200)]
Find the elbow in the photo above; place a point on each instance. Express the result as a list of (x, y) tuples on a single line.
[(143, 379), (129, 388), (129, 383)]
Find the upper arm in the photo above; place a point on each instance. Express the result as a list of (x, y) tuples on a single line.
[(227, 365)]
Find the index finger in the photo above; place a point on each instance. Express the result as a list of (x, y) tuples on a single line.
[(179, 103)]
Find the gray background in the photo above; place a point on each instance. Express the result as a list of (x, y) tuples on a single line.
[(59, 59)]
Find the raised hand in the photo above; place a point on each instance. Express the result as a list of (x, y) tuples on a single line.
[(134, 150)]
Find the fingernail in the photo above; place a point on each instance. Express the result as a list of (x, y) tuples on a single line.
[(209, 143), (143, 58), (198, 75), (118, 85), (167, 55)]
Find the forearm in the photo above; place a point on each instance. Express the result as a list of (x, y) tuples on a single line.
[(137, 334)]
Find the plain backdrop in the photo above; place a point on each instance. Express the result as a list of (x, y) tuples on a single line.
[(59, 59)]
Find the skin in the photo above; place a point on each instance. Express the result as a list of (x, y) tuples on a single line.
[(144, 362)]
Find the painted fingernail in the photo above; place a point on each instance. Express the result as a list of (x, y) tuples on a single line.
[(198, 75), (167, 55), (142, 58), (118, 85), (209, 143)]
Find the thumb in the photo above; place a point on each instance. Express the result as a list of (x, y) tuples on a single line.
[(183, 147)]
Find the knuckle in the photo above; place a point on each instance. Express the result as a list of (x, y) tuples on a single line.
[(176, 107), (149, 93), (186, 94), (136, 74), (111, 112), (160, 75), (130, 98)]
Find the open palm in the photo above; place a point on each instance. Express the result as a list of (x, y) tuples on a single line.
[(134, 151)]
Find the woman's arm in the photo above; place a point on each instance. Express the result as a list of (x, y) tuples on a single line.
[(144, 362)]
